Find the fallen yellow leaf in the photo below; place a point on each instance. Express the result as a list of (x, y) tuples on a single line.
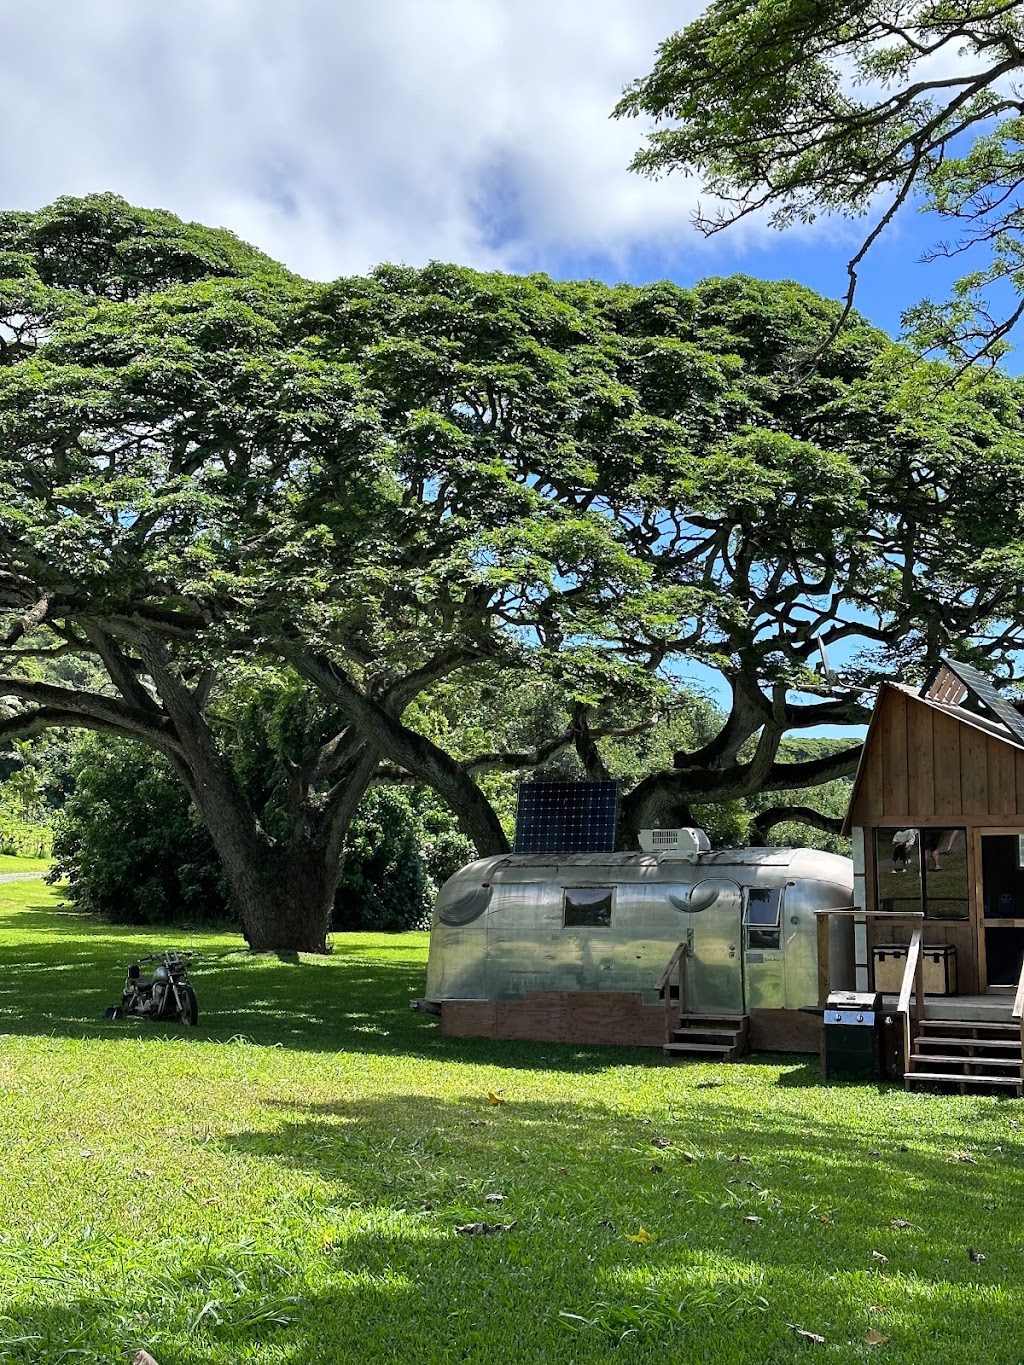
[(492, 1098), (875, 1339), (642, 1236)]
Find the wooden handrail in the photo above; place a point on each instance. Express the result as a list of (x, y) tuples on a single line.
[(677, 962), (910, 972), (913, 980), (894, 916), (1018, 1015), (1018, 999), (676, 957)]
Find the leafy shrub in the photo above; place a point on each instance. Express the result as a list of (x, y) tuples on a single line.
[(385, 878), (130, 843)]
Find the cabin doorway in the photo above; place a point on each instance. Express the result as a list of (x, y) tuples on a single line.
[(1002, 908), (714, 965)]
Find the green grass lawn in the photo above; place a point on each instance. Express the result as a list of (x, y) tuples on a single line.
[(16, 863), (284, 1183)]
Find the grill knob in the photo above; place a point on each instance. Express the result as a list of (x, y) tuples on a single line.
[(860, 1018)]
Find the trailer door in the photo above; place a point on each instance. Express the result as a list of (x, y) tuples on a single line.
[(714, 966)]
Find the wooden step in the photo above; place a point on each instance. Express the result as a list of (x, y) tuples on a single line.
[(961, 1060), (1004, 1026), (945, 1078), (730, 1020), (945, 1041), (725, 1036), (680, 1047), (709, 1037)]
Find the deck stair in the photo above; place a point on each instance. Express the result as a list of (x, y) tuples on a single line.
[(967, 1056), (709, 1038)]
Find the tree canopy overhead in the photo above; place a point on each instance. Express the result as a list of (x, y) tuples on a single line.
[(794, 108), (392, 494)]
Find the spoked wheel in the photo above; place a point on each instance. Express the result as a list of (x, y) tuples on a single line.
[(188, 1010)]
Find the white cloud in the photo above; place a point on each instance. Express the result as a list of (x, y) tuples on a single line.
[(336, 134)]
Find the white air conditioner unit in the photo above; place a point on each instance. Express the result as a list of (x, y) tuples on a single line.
[(685, 844)]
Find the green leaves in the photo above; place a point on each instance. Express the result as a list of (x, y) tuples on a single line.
[(789, 109)]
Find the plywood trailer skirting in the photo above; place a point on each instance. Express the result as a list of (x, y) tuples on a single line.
[(607, 1017), (616, 1017), (784, 1031)]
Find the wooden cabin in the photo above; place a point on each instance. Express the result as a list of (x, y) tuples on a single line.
[(936, 819)]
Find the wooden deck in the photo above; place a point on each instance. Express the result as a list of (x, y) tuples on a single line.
[(996, 1008)]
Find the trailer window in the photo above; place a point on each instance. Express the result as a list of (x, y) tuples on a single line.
[(467, 908), (764, 906), (764, 916), (587, 907)]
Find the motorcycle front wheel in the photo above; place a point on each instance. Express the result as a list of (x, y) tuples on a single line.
[(188, 1009)]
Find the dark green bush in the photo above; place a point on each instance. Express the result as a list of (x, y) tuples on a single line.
[(385, 880), (129, 842)]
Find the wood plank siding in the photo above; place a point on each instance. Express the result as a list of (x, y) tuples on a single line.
[(920, 759), (923, 766), (929, 763)]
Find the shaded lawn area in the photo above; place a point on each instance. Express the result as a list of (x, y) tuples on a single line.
[(284, 1183)]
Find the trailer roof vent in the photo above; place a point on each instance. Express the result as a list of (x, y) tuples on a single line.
[(685, 844)]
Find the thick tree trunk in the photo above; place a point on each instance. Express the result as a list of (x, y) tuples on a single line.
[(288, 908)]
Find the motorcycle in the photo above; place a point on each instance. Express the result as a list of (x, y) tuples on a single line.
[(165, 995)]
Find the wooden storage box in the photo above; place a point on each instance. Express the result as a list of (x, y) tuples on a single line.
[(890, 960)]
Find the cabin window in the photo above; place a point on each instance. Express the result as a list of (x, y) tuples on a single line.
[(1002, 878), (764, 917), (922, 869), (944, 854), (587, 907)]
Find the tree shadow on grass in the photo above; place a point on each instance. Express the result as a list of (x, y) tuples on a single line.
[(356, 999), (818, 1220), (760, 1218)]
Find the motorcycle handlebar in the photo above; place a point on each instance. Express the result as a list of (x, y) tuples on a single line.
[(171, 952)]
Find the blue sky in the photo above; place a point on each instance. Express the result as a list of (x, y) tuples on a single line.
[(339, 135)]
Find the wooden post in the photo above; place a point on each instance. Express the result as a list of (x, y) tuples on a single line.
[(1018, 1015), (919, 988), (824, 966)]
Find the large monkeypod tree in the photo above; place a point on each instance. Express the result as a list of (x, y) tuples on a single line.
[(790, 109), (388, 486)]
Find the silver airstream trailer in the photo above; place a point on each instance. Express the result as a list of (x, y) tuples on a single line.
[(527, 927)]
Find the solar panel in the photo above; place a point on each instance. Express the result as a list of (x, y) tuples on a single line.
[(982, 690), (567, 817)]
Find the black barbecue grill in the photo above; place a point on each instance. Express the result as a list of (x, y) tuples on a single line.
[(852, 1034)]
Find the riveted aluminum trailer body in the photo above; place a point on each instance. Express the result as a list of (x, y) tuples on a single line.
[(507, 926)]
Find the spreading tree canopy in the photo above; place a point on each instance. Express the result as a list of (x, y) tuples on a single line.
[(793, 108), (388, 489)]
